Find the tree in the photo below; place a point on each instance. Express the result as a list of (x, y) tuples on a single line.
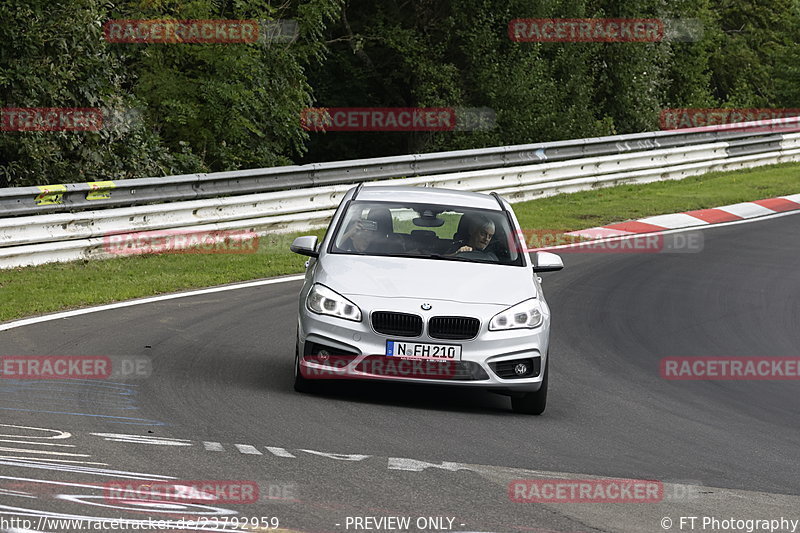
[(52, 54), (233, 105), (169, 108)]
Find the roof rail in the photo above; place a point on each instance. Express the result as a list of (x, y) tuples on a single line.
[(361, 184), (499, 201)]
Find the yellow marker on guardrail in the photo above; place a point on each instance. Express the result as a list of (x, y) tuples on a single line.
[(50, 194), (100, 190)]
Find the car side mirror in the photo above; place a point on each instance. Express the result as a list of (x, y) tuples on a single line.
[(305, 245), (547, 262)]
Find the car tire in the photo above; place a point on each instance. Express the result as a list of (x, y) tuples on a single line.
[(301, 384), (532, 403)]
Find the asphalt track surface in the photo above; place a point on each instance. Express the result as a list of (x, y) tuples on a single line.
[(222, 374)]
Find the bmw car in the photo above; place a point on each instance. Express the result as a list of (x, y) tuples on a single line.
[(425, 285)]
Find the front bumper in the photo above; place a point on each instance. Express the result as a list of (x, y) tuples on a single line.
[(359, 352)]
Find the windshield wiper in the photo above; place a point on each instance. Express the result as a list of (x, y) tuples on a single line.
[(435, 256), (439, 257), (445, 257)]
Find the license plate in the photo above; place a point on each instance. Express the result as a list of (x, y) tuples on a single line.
[(420, 350)]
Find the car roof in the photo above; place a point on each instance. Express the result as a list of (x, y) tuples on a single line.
[(427, 195)]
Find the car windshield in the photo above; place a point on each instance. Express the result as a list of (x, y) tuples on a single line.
[(426, 231)]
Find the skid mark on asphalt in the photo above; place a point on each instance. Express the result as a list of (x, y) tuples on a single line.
[(108, 401)]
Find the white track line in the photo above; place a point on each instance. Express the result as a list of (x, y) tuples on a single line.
[(37, 443), (42, 452), (52, 462), (153, 299)]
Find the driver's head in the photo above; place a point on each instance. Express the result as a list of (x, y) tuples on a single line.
[(480, 233)]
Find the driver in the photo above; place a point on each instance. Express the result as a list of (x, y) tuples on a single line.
[(481, 232)]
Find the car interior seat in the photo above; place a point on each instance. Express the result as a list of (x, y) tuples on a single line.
[(462, 231), (425, 239), (383, 217), (389, 241), (499, 245)]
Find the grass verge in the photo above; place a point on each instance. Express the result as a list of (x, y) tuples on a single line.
[(47, 288)]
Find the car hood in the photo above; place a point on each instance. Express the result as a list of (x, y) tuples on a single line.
[(425, 278)]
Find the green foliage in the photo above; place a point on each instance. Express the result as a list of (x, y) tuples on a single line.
[(758, 39), (180, 108), (52, 54), (236, 105), (787, 66), (169, 108), (458, 54)]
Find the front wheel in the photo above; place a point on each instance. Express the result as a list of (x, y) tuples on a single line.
[(532, 403)]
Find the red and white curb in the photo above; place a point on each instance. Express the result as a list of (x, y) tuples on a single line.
[(701, 217)]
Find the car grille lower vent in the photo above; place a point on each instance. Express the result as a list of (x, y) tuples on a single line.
[(380, 365), (453, 327), (397, 324)]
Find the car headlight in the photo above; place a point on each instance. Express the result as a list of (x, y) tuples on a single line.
[(527, 314), (324, 301)]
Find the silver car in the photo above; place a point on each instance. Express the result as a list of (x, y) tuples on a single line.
[(425, 285)]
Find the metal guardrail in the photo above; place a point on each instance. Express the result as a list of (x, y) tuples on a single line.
[(73, 197), (63, 236)]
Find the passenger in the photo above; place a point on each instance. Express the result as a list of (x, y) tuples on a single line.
[(372, 235), (360, 236)]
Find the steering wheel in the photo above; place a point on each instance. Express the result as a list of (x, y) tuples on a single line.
[(478, 255), (455, 246)]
